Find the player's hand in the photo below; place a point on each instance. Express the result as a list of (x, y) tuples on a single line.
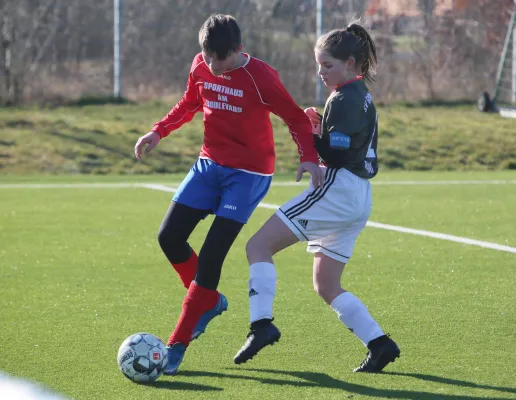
[(151, 139), (315, 118), (313, 114), (315, 172)]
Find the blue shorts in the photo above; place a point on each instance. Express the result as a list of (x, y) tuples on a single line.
[(223, 191)]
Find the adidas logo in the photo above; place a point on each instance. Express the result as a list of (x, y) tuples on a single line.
[(303, 222), (252, 293)]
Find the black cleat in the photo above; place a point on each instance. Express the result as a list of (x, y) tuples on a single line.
[(382, 351), (257, 339)]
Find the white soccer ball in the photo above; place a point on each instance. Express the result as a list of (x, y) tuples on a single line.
[(142, 357)]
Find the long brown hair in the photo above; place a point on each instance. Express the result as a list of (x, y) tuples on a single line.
[(353, 41)]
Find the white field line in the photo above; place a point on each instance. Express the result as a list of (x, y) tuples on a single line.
[(443, 236), (279, 184), (156, 186), (435, 235), (164, 188), (451, 182), (418, 183), (68, 185)]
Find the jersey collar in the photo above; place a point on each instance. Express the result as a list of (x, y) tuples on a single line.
[(359, 77)]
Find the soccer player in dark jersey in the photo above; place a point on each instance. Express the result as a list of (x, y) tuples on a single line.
[(236, 93), (329, 217)]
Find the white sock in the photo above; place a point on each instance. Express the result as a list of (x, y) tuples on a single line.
[(354, 314), (262, 289)]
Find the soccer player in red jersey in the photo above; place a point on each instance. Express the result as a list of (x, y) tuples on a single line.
[(236, 93)]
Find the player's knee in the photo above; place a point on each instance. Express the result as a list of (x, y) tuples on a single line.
[(175, 248), (256, 247), (170, 234), (326, 289), (319, 288), (250, 248), (164, 237)]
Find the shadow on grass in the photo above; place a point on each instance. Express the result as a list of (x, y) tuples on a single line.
[(91, 141), (175, 385), (448, 381), (98, 101), (320, 380)]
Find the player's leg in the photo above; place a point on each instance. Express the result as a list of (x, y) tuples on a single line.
[(272, 237), (292, 223), (179, 222), (327, 272), (210, 303), (296, 220), (282, 230), (241, 193), (195, 198), (203, 302), (217, 244), (331, 255)]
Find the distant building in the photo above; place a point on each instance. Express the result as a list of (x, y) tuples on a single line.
[(411, 7)]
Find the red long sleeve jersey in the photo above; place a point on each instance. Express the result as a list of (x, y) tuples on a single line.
[(236, 105)]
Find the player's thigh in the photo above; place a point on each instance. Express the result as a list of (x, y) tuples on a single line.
[(241, 194), (340, 244), (179, 222), (318, 213), (327, 272), (303, 213), (271, 238), (200, 188)]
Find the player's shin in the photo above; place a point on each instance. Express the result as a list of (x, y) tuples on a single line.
[(262, 289), (187, 269), (197, 301), (354, 314)]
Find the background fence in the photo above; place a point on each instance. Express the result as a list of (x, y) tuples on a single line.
[(56, 50)]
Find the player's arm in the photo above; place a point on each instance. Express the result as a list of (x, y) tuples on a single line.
[(344, 119), (344, 115), (299, 126), (282, 104), (315, 119), (182, 112)]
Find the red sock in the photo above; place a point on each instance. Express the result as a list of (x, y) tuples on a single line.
[(196, 302), (187, 269)]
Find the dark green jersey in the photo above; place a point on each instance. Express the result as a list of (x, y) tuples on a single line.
[(350, 130)]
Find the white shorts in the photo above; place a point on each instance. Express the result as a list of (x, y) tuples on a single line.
[(330, 218)]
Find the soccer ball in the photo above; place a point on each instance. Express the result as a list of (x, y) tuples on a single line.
[(142, 357)]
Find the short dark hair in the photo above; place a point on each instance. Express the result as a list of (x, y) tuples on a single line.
[(220, 35), (353, 41)]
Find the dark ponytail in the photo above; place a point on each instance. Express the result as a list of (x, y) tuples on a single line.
[(353, 41), (369, 60)]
